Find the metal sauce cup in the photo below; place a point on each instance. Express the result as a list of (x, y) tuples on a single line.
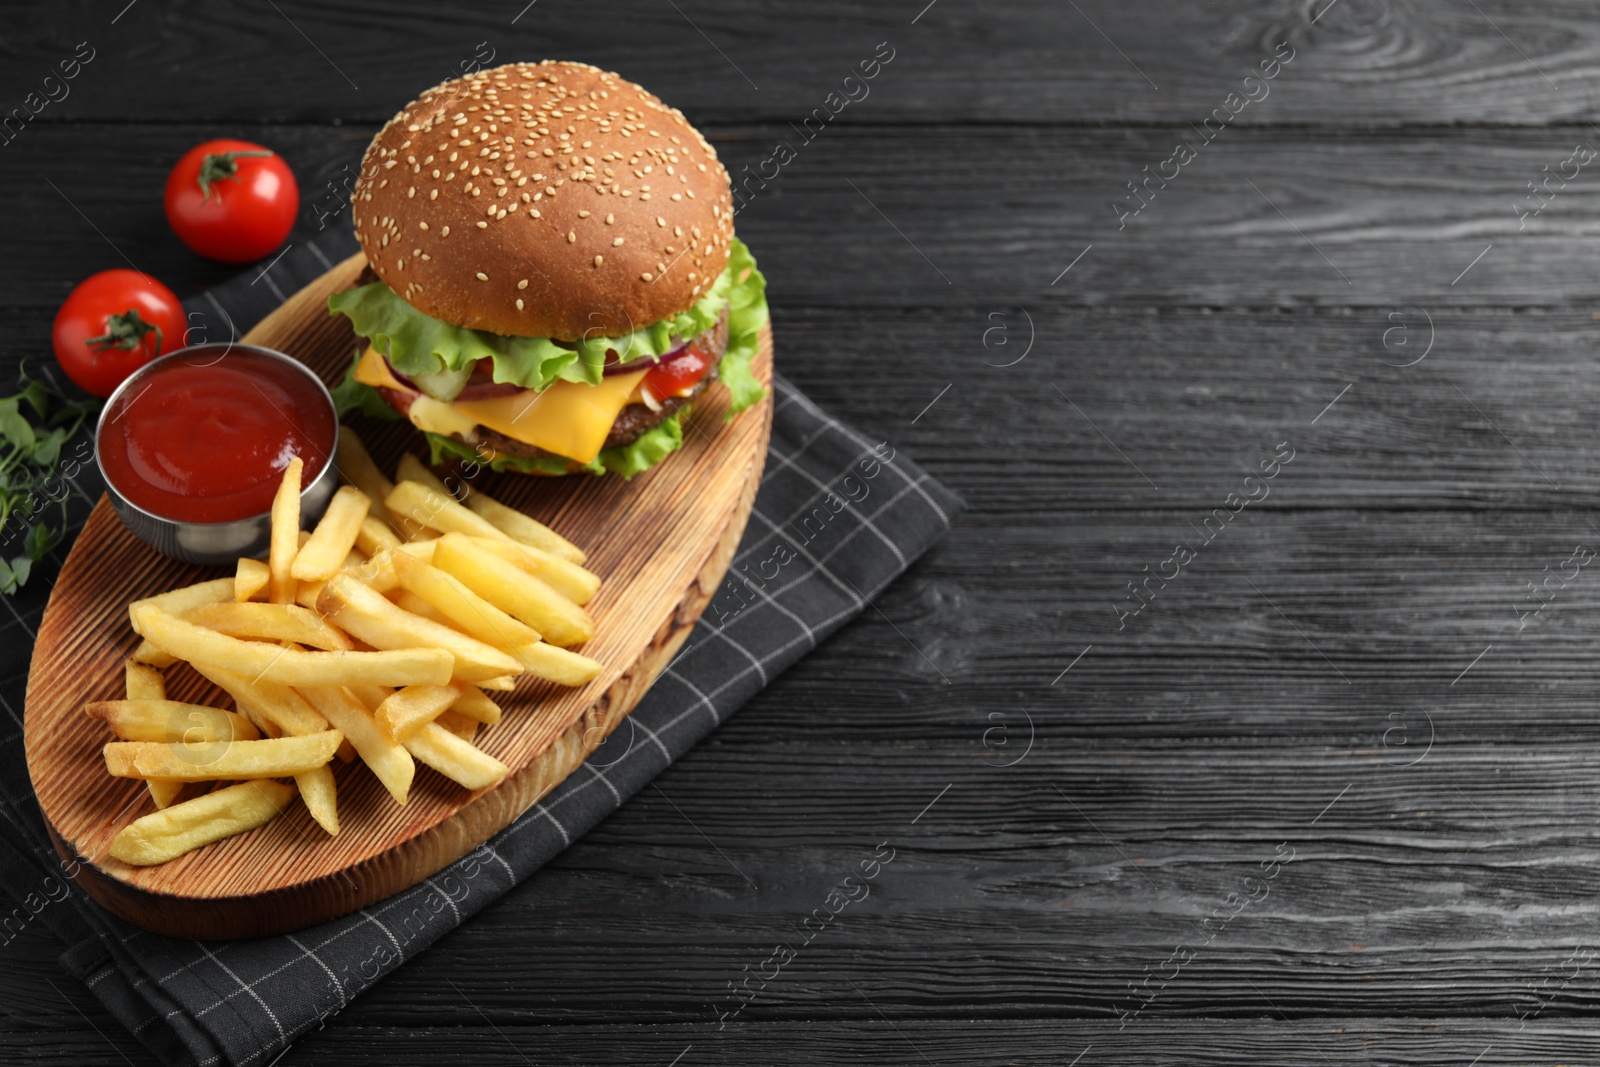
[(213, 542)]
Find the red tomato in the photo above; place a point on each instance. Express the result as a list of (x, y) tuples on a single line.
[(232, 200), (112, 324), (677, 375)]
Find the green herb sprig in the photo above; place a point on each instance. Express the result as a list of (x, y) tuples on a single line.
[(31, 448)]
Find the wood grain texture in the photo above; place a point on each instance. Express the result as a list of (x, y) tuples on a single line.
[(1359, 62), (662, 542), (929, 227)]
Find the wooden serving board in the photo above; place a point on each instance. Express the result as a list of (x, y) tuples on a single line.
[(661, 542)]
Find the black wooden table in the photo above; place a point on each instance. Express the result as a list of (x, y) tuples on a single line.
[(1250, 713)]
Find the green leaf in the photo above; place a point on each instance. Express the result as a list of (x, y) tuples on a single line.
[(13, 427), (351, 395), (38, 395), (418, 344), (747, 313), (47, 449), (17, 573), (39, 540)]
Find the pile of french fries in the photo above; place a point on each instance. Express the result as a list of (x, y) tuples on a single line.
[(378, 636)]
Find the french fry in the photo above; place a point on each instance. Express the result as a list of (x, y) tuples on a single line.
[(280, 711), (321, 794), (168, 834), (564, 576), (152, 656), (475, 704), (159, 719), (458, 724), (178, 637), (365, 614), (285, 543), (279, 757), (520, 527), (514, 591), (270, 622), (466, 610), (306, 593), (250, 579), (375, 536), (143, 682), (164, 793), (406, 600), (438, 509), (178, 601), (356, 467), (412, 708), (370, 695), (503, 684), (458, 760), (558, 665), (334, 536), (412, 469), (276, 708), (391, 763)]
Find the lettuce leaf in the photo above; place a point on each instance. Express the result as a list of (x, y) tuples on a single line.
[(418, 344), (651, 448), (351, 395), (747, 313)]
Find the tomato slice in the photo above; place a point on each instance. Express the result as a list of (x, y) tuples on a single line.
[(679, 374)]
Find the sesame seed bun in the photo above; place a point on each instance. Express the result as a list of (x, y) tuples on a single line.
[(544, 200)]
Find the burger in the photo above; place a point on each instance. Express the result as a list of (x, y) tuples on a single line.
[(553, 279)]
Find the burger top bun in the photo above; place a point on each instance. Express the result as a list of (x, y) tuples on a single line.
[(544, 200)]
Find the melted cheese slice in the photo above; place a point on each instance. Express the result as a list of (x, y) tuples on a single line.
[(569, 419)]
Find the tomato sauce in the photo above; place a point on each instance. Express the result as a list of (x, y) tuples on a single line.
[(206, 439), (678, 373)]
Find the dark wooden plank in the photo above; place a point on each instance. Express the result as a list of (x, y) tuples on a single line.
[(955, 60), (910, 217), (960, 1043)]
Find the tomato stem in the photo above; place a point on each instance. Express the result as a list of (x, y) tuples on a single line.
[(220, 166), (126, 331)]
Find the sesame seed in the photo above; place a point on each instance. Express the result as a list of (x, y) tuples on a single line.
[(433, 195), (523, 284), (482, 277), (583, 214), (617, 243), (424, 226), (661, 222), (645, 277), (599, 260), (445, 232), (519, 303), (610, 219), (482, 225), (572, 236)]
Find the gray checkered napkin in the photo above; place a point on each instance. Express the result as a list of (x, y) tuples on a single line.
[(838, 517)]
